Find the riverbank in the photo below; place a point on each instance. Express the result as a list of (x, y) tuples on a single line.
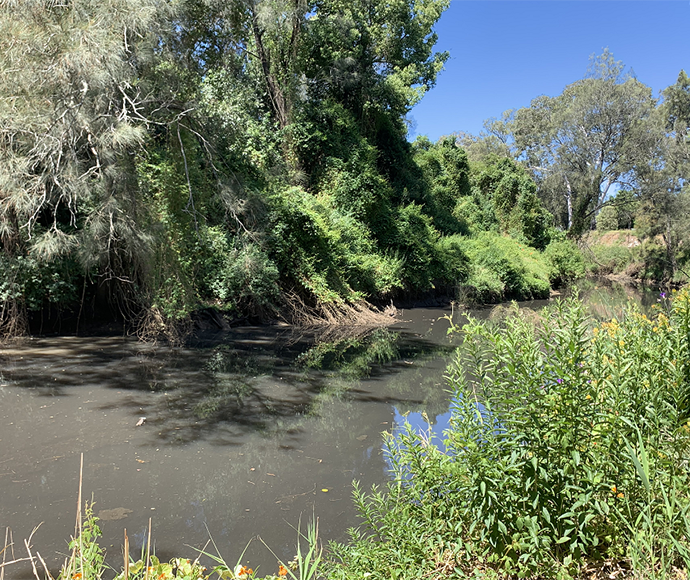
[(625, 257), (586, 476)]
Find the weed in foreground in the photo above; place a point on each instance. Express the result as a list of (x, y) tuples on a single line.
[(567, 452), (87, 558)]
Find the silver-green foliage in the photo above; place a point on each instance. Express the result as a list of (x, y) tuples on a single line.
[(70, 118), (601, 132)]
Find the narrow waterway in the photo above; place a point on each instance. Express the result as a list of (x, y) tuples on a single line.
[(238, 435)]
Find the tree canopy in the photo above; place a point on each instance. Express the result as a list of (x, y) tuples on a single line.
[(157, 158), (590, 140)]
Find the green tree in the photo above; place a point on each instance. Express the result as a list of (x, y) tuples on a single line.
[(664, 204), (511, 196), (607, 219), (70, 122), (599, 134), (446, 179), (374, 57), (676, 107)]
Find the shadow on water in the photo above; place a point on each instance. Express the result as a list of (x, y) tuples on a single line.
[(243, 431), (251, 379)]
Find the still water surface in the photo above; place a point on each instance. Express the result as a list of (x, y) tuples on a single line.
[(245, 432)]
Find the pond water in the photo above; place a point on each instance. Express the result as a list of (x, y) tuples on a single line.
[(245, 432)]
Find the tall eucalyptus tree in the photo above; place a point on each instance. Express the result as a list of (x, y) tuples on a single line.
[(588, 141)]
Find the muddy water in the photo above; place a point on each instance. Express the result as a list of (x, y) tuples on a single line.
[(241, 434), (244, 433)]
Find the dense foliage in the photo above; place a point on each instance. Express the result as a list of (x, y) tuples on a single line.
[(157, 158), (568, 445), (605, 154)]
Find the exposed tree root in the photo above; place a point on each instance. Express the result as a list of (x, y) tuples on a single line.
[(13, 320), (152, 326), (332, 314)]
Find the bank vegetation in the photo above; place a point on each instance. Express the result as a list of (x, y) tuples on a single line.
[(161, 158)]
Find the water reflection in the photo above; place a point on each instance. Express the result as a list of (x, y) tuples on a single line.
[(606, 300), (432, 429), (243, 430)]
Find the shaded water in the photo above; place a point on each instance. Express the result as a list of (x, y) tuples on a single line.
[(245, 432)]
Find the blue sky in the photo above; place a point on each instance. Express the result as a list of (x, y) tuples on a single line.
[(505, 53)]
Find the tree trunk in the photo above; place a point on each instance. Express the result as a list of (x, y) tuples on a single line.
[(670, 248), (276, 95), (569, 201)]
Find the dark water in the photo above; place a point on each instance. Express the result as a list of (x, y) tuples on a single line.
[(246, 432)]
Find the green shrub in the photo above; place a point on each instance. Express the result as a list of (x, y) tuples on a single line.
[(357, 188), (607, 218), (453, 259), (565, 262), (521, 270), (377, 274), (416, 238), (508, 198), (246, 278), (484, 286), (36, 283), (330, 255), (530, 221), (655, 259), (476, 212), (568, 444), (610, 259), (445, 179)]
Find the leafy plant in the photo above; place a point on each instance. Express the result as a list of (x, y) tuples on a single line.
[(87, 561), (565, 262), (568, 444), (504, 268)]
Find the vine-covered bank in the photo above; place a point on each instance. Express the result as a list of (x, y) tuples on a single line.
[(159, 158)]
